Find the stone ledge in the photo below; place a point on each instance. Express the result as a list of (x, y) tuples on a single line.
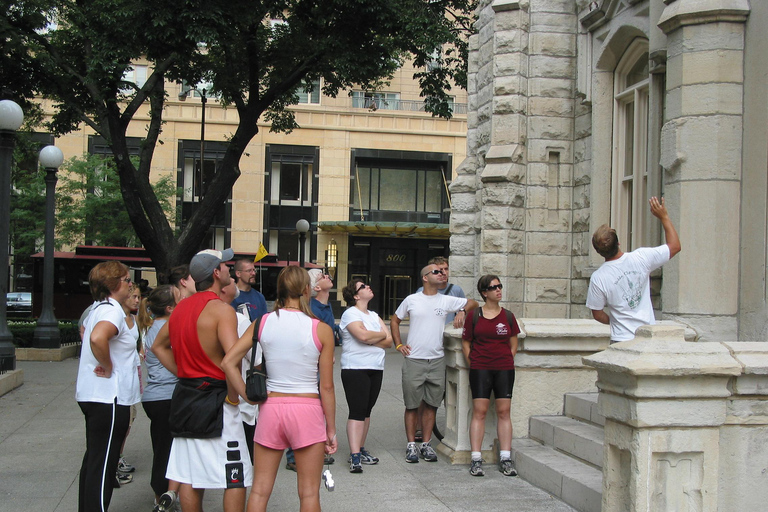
[(10, 381), (48, 354)]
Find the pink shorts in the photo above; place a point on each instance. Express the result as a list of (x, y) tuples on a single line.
[(290, 422)]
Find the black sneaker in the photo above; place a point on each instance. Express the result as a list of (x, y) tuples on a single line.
[(428, 453), (507, 467), (411, 453), (124, 478), (124, 467), (355, 466)]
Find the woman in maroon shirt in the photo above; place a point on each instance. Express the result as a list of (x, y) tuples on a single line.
[(489, 342)]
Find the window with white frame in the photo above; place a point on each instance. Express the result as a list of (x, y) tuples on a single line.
[(312, 97), (376, 100), (630, 146), (136, 74)]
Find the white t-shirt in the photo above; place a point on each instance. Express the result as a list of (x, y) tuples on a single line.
[(427, 313), (623, 288), (356, 355), (248, 412), (123, 384)]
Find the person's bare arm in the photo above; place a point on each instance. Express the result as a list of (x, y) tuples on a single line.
[(659, 210), (232, 360), (470, 305), (161, 347), (513, 343), (466, 345), (601, 316), (386, 342), (394, 323), (100, 335), (327, 391), (363, 335)]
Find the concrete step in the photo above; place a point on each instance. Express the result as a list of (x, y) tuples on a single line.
[(576, 438), (583, 406), (576, 483)]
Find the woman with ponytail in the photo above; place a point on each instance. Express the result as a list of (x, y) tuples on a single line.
[(154, 311)]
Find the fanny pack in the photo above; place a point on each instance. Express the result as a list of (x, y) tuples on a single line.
[(197, 408)]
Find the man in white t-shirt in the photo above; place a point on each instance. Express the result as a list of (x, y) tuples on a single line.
[(424, 365), (619, 291)]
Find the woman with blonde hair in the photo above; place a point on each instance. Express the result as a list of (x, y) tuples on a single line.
[(295, 346), (107, 383)]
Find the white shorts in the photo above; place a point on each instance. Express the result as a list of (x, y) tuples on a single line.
[(218, 463)]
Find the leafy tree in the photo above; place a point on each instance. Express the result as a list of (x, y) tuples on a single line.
[(89, 206), (257, 54)]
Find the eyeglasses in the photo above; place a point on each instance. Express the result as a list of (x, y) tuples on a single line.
[(436, 271), (126, 279), (494, 287), (362, 287)]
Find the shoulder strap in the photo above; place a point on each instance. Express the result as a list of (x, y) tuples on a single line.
[(475, 315), (510, 318), (256, 324), (448, 290)]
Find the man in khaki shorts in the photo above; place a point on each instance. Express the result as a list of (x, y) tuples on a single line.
[(424, 364), (210, 454)]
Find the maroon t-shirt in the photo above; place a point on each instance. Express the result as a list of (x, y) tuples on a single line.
[(489, 337)]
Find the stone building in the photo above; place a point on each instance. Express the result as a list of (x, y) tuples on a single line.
[(579, 111)]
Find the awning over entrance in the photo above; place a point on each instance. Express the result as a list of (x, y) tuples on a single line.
[(391, 229)]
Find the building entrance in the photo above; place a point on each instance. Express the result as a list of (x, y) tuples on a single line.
[(396, 288)]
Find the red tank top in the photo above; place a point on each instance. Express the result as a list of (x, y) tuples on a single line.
[(191, 360)]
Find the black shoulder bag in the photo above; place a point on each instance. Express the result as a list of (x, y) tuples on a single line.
[(255, 378)]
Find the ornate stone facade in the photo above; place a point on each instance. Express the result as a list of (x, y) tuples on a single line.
[(578, 112)]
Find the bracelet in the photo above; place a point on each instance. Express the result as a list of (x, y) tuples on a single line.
[(230, 402), (398, 347)]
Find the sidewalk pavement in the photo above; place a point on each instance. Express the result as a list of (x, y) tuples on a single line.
[(42, 441)]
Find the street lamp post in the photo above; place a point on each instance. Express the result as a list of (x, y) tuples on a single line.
[(11, 118), (302, 226), (47, 333)]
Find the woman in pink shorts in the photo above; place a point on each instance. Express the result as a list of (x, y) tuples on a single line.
[(296, 346)]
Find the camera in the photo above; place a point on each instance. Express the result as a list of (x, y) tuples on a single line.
[(328, 479)]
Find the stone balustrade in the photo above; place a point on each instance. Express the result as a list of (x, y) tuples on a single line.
[(548, 365), (686, 424)]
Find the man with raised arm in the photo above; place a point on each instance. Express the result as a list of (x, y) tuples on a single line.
[(209, 448), (620, 291)]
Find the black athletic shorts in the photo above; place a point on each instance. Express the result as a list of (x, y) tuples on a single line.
[(482, 382)]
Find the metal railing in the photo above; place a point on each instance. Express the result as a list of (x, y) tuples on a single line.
[(402, 105)]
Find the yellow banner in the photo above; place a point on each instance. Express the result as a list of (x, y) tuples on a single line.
[(260, 253)]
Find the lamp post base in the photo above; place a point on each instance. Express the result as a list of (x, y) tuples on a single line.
[(46, 335)]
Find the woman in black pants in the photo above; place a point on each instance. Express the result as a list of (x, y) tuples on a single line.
[(107, 384), (154, 312), (364, 338)]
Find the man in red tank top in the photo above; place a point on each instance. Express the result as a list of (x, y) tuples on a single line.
[(192, 344)]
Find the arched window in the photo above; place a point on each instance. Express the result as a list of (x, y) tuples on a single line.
[(630, 146)]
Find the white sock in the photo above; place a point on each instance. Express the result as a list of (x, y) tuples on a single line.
[(505, 454), (477, 456), (412, 444)]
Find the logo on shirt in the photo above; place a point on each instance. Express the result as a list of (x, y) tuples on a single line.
[(440, 312), (501, 329), (631, 285)]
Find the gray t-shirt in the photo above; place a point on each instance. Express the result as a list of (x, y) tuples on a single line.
[(160, 382)]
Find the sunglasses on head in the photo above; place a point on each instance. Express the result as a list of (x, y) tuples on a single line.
[(494, 287)]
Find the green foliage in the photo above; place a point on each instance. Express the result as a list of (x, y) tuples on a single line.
[(90, 207), (23, 332), (256, 54)]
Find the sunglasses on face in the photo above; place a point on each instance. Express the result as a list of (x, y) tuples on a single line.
[(494, 288), (362, 287), (436, 272)]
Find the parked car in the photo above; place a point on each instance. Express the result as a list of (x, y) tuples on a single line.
[(19, 304)]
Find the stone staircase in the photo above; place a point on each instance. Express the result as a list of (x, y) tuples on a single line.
[(564, 454)]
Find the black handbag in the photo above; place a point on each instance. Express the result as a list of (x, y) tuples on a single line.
[(255, 378)]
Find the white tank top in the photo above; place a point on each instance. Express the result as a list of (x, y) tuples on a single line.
[(291, 349)]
